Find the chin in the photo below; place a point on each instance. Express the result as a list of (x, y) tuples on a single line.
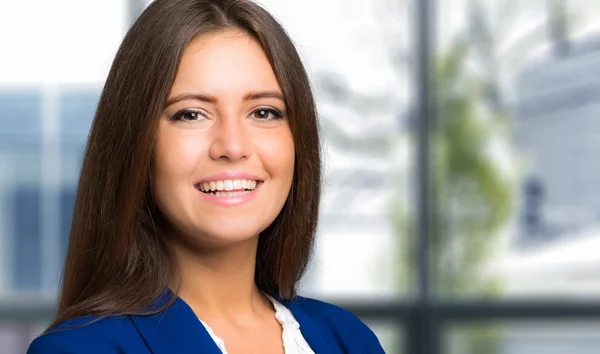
[(226, 234), (228, 237)]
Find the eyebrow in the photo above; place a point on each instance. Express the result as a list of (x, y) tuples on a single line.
[(252, 96)]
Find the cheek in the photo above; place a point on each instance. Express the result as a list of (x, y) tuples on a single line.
[(278, 155), (176, 157)]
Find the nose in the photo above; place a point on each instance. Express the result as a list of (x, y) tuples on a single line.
[(230, 140)]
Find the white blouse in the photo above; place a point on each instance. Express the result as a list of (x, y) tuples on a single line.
[(293, 341)]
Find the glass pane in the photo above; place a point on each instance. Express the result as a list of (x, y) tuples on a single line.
[(515, 146), (523, 338), (362, 89)]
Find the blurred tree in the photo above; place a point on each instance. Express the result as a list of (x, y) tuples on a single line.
[(472, 197)]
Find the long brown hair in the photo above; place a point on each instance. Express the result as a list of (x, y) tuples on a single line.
[(118, 261)]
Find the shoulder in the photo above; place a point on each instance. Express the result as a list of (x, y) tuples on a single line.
[(326, 311), (88, 335), (343, 323)]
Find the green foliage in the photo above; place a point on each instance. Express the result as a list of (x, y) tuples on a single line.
[(472, 198)]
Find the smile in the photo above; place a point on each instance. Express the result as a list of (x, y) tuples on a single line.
[(228, 188)]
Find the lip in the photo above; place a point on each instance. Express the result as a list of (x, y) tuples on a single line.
[(230, 176), (231, 201)]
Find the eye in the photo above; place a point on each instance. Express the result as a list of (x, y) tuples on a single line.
[(267, 114), (188, 115)]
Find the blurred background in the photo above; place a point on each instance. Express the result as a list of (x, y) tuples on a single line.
[(459, 214)]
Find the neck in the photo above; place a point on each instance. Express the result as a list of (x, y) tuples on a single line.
[(220, 282)]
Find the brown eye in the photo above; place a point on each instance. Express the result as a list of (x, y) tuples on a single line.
[(261, 114), (267, 114), (187, 115)]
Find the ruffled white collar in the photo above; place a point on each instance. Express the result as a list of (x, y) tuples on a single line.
[(293, 341)]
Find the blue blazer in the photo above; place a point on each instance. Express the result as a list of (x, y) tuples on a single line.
[(328, 329)]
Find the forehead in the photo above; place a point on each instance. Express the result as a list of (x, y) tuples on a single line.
[(228, 63)]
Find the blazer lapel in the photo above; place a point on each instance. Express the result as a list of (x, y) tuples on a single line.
[(175, 330), (316, 334), (178, 330)]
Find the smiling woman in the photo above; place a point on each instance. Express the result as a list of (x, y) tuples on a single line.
[(225, 125), (198, 198)]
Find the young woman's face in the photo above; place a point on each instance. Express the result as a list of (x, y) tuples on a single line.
[(224, 158)]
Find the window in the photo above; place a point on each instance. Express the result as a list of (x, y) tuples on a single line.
[(459, 210), (27, 251), (46, 106)]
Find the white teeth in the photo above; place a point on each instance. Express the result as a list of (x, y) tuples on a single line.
[(228, 185), (237, 184), (225, 194)]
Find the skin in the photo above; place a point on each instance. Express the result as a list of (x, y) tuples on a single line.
[(224, 132)]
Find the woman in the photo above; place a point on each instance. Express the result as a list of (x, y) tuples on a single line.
[(198, 198)]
